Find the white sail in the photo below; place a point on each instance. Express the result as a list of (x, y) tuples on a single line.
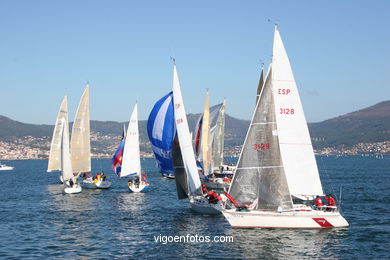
[(218, 137), (131, 163), (206, 144), (67, 172), (295, 145), (80, 142), (184, 137), (54, 163)]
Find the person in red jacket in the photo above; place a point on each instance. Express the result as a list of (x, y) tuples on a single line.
[(213, 197), (318, 202), (331, 201)]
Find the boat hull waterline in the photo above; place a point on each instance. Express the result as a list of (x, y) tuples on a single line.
[(293, 219), (72, 190)]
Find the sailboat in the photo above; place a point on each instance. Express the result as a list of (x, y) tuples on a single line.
[(186, 172), (81, 146), (277, 175), (131, 161), (59, 158)]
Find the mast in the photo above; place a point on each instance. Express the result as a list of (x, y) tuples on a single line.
[(80, 141)]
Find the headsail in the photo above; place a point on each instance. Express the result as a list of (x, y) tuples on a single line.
[(162, 131), (295, 144), (117, 158), (183, 134), (260, 173), (67, 172), (54, 163), (80, 141), (206, 144), (131, 163)]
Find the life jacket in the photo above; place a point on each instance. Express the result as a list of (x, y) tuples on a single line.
[(318, 202), (331, 201)]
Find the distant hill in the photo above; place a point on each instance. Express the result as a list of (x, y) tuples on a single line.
[(10, 129), (371, 124), (367, 125)]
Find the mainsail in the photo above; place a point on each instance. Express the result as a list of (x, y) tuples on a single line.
[(80, 141), (259, 178), (295, 144), (131, 163), (161, 132), (55, 158), (214, 112), (218, 137), (180, 173), (184, 138)]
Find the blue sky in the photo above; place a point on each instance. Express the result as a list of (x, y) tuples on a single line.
[(339, 51)]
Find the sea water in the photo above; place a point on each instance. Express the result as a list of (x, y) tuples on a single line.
[(38, 221)]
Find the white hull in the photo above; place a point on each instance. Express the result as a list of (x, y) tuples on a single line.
[(90, 184), (142, 187), (290, 219), (6, 168), (72, 190), (201, 205)]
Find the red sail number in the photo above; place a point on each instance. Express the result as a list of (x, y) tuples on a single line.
[(261, 146), (179, 120), (287, 111), (284, 91)]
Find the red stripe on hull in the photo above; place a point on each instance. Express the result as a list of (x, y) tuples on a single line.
[(323, 222)]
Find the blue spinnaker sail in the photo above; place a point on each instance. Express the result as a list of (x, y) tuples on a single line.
[(162, 131)]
